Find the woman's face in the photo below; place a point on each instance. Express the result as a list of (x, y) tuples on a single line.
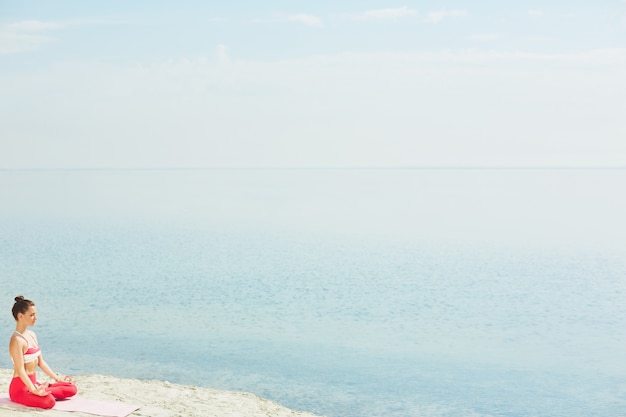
[(30, 317)]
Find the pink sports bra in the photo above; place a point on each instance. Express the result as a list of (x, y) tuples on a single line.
[(32, 353)]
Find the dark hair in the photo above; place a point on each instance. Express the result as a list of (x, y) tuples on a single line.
[(21, 306)]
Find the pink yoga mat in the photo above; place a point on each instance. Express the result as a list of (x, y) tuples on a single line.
[(83, 405)]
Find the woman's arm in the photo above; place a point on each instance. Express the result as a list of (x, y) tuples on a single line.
[(46, 368), (16, 350)]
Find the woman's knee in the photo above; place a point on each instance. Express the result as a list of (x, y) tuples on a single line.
[(62, 390), (47, 402), (33, 400)]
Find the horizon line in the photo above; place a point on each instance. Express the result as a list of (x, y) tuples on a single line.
[(318, 168)]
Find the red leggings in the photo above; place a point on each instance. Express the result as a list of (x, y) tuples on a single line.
[(18, 392)]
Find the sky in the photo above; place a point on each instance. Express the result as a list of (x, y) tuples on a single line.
[(199, 84)]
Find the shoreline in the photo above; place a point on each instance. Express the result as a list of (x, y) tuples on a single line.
[(159, 399)]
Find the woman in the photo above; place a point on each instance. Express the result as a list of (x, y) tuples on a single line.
[(26, 355)]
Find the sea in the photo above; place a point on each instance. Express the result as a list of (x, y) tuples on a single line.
[(343, 292)]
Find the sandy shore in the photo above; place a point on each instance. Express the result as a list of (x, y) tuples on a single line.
[(160, 399)]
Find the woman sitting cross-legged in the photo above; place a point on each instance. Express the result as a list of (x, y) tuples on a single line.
[(26, 355)]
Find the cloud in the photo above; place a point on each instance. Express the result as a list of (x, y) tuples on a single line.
[(301, 18), (438, 15), (306, 19), (536, 13), (484, 37), (11, 43), (537, 38), (386, 14), (25, 35), (33, 25), (292, 112)]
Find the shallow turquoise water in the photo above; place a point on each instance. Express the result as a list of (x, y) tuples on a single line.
[(345, 293)]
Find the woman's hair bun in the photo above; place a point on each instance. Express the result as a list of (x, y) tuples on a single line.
[(21, 306)]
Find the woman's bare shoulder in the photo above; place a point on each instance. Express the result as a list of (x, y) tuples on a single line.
[(17, 338)]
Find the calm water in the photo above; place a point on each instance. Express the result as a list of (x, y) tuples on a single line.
[(345, 293)]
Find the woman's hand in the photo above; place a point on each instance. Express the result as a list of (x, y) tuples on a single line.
[(40, 390), (64, 378)]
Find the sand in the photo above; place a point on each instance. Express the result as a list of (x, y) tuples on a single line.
[(159, 399)]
